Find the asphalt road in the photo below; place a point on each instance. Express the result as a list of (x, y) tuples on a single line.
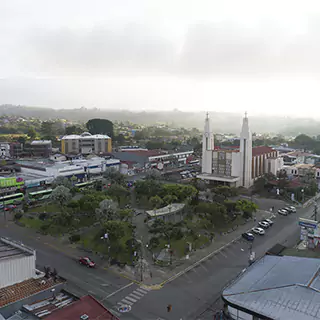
[(191, 295)]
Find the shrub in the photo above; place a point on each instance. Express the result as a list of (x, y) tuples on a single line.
[(43, 216), (74, 238)]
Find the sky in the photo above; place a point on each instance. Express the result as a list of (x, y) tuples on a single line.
[(256, 56)]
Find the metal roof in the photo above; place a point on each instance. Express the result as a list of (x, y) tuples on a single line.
[(278, 288), (9, 251)]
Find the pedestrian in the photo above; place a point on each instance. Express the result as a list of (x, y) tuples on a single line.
[(150, 274)]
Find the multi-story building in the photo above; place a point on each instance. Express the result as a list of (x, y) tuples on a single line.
[(16, 149), (86, 143), (38, 149), (4, 150)]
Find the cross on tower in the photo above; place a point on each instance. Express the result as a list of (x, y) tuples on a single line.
[(207, 115), (246, 114)]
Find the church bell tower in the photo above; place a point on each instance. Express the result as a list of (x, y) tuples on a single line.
[(246, 154), (207, 147)]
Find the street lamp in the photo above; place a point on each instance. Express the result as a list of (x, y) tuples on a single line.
[(302, 191)]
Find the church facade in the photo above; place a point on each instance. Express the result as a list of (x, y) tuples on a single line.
[(237, 167)]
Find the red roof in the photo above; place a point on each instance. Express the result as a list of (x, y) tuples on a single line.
[(86, 305), (258, 151)]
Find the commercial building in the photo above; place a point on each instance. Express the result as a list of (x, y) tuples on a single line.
[(86, 143), (45, 171), (146, 159), (276, 287), (237, 167), (20, 281), (38, 149), (16, 150), (5, 150)]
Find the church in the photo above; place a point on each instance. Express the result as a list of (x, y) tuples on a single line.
[(236, 167)]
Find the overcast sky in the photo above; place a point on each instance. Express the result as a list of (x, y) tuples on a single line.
[(230, 55)]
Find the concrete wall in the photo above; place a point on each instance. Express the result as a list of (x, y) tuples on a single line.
[(13, 270)]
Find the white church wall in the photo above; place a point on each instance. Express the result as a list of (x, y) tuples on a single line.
[(235, 164)]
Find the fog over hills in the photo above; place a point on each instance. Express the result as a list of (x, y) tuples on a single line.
[(222, 122)]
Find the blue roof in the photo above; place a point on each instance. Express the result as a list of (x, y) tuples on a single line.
[(279, 288)]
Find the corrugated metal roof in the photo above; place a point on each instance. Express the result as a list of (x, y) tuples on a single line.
[(279, 288)]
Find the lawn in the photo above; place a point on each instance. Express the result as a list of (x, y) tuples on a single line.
[(32, 223), (48, 207)]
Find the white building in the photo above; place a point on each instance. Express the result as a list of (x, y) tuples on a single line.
[(80, 168), (17, 263), (4, 150), (238, 166), (86, 143)]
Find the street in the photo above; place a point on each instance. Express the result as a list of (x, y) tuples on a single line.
[(190, 295)]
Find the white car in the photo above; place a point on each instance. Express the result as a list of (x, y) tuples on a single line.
[(269, 221), (258, 230), (264, 224), (283, 212), (293, 209)]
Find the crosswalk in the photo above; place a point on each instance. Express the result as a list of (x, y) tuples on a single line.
[(130, 299)]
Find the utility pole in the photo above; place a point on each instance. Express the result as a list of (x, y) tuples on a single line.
[(315, 210), (141, 265)]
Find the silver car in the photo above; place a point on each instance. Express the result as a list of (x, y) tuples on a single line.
[(258, 231)]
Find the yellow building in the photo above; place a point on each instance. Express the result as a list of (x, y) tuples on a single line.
[(86, 143)]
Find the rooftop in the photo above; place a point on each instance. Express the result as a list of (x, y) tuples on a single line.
[(171, 208), (40, 142), (25, 289), (85, 135), (267, 289), (87, 305), (10, 249)]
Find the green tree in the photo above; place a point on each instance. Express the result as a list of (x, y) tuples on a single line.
[(100, 126), (47, 130), (115, 176), (156, 202), (90, 201), (247, 207), (169, 199), (62, 181), (147, 188), (73, 130), (61, 195), (223, 191), (32, 133), (117, 191), (107, 210)]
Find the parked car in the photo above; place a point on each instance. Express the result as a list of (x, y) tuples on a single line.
[(258, 231), (264, 224), (293, 209), (248, 236), (288, 209), (87, 262), (268, 221), (10, 207), (283, 212), (1, 206)]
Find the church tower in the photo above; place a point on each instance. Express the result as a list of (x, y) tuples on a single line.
[(245, 154), (207, 147)]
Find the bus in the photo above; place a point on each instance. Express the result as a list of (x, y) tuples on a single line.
[(83, 185), (12, 199), (40, 195)]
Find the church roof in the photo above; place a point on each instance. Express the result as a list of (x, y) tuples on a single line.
[(258, 151)]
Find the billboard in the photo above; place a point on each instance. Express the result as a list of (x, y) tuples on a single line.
[(11, 182)]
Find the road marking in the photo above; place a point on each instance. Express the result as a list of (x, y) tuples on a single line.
[(105, 284), (115, 292), (204, 267), (127, 302), (138, 293), (130, 299), (224, 255), (142, 290), (134, 296), (194, 270), (92, 292), (146, 288)]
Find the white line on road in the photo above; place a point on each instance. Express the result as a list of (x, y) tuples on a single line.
[(115, 292), (142, 291), (115, 312), (138, 293), (130, 299), (204, 267), (224, 255), (134, 296), (127, 302)]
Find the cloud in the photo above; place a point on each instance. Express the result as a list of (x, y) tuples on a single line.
[(207, 49)]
